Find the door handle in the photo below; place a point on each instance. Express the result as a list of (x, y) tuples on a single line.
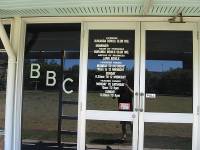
[(141, 109), (133, 116), (137, 101)]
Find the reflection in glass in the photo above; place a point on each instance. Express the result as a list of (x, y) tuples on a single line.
[(70, 125), (3, 77), (169, 71), (168, 136), (46, 104), (3, 82), (7, 28), (1, 142), (110, 63), (102, 135), (42, 37)]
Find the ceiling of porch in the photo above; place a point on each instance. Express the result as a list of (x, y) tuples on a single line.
[(28, 8)]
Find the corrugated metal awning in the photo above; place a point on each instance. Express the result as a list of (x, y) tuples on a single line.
[(26, 8)]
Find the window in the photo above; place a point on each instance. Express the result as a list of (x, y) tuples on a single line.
[(51, 79), (3, 80)]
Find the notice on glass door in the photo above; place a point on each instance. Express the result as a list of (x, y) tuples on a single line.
[(111, 50)]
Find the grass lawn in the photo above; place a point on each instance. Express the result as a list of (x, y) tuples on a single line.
[(171, 104), (2, 108)]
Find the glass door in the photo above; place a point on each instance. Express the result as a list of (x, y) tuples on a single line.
[(112, 86), (168, 81), (139, 86)]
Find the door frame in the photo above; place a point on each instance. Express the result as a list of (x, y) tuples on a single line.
[(16, 143), (85, 114), (155, 117)]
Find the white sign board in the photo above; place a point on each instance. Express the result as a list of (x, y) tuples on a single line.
[(151, 95)]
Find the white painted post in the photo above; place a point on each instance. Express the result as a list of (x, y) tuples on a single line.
[(9, 105), (9, 90), (18, 42)]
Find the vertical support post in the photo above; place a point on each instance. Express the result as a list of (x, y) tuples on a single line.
[(10, 89), (198, 103), (82, 88), (18, 42), (195, 87), (9, 105)]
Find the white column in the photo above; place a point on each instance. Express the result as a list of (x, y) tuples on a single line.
[(9, 90), (198, 107), (18, 42), (9, 105)]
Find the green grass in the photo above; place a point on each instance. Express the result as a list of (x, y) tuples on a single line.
[(95, 102), (2, 108), (40, 115), (172, 104)]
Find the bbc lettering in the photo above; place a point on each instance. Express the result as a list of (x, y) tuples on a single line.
[(50, 77)]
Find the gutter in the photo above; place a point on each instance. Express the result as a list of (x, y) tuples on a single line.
[(10, 89)]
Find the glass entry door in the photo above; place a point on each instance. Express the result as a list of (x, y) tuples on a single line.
[(112, 86), (139, 86), (168, 81)]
